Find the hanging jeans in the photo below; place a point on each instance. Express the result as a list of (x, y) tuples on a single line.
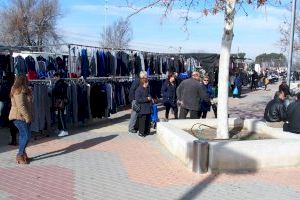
[(61, 120), (24, 135)]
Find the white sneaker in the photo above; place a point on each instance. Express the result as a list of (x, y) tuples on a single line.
[(63, 133), (66, 133)]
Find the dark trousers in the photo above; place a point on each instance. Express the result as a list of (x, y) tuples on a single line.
[(215, 109), (193, 113), (203, 114), (168, 108), (61, 120), (144, 124), (253, 85)]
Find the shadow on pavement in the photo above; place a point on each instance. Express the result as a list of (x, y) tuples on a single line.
[(219, 152), (74, 147)]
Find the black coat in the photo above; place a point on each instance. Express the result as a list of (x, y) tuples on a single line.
[(141, 95), (168, 92), (275, 111), (191, 92), (135, 84), (293, 118), (60, 90)]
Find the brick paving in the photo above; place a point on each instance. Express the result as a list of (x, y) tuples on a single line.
[(102, 161)]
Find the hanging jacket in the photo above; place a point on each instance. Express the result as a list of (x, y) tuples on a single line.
[(30, 65), (20, 66), (135, 84)]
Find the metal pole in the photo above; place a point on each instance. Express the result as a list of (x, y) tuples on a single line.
[(292, 31), (105, 19), (69, 61)]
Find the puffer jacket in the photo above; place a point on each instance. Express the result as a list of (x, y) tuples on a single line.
[(21, 107), (275, 111)]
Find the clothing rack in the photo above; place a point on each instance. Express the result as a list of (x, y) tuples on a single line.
[(106, 48), (96, 79), (41, 82)]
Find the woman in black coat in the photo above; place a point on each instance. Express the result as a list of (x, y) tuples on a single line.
[(144, 100), (168, 92)]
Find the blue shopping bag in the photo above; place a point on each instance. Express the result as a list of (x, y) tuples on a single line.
[(235, 91), (154, 113)]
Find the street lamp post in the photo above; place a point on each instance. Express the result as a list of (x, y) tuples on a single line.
[(105, 19), (291, 48)]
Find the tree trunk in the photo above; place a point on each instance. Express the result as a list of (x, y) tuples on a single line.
[(222, 126)]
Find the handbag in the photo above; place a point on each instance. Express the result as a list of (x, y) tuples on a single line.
[(235, 91), (60, 103), (135, 106)]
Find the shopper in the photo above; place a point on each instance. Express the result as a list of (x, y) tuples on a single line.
[(275, 111), (237, 85), (285, 88), (133, 125), (168, 92), (144, 101), (254, 79), (205, 105), (60, 101), (21, 114), (189, 93), (292, 120)]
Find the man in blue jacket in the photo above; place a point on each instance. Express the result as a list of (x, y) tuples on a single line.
[(132, 127)]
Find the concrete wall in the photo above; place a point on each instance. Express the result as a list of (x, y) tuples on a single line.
[(177, 141), (254, 155), (282, 151)]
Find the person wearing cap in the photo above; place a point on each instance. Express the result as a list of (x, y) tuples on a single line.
[(189, 93)]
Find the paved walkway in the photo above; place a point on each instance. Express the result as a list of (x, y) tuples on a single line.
[(102, 161)]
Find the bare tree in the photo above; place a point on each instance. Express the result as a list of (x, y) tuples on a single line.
[(29, 22), (285, 34), (118, 35), (211, 7)]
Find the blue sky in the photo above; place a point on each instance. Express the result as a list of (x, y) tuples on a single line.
[(254, 34)]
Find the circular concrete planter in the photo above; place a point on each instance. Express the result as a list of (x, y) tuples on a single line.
[(251, 155)]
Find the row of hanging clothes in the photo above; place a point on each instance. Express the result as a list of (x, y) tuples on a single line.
[(87, 99), (103, 63), (40, 65)]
